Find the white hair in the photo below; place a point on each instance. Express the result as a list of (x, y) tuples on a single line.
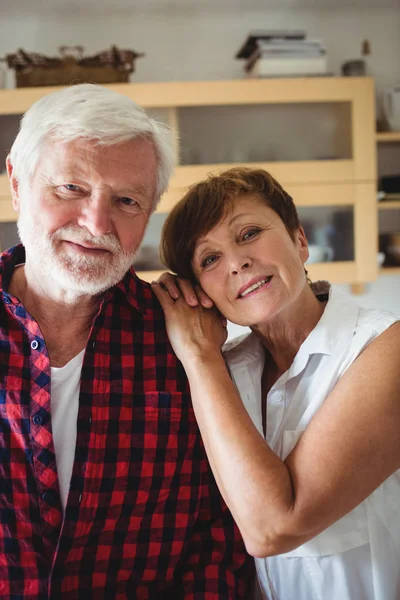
[(95, 113)]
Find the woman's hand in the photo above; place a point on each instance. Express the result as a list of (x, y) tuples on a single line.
[(177, 287), (194, 331)]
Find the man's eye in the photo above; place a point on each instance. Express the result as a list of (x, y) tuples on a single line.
[(128, 201), (71, 187), (250, 233)]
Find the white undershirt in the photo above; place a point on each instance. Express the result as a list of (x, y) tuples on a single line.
[(65, 385)]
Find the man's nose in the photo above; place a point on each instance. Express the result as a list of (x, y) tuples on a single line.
[(95, 214)]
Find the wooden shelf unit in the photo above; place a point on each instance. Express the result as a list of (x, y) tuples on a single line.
[(329, 182), (388, 137)]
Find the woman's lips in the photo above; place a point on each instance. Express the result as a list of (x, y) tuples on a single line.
[(253, 286)]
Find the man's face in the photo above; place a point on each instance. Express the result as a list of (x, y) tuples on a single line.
[(83, 214)]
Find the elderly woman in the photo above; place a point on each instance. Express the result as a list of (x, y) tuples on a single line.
[(301, 417)]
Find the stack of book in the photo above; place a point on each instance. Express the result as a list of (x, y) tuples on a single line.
[(283, 54)]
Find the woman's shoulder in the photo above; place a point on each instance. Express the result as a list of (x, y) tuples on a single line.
[(376, 320)]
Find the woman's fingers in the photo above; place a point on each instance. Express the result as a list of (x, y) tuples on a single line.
[(188, 291), (203, 298), (163, 295), (169, 283), (177, 287)]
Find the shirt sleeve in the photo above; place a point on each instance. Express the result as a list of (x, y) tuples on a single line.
[(217, 565)]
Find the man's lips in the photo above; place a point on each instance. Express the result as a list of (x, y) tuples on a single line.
[(253, 285), (86, 247)]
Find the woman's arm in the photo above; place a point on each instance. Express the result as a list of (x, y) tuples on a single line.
[(350, 447)]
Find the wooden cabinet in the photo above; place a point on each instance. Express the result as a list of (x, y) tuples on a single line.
[(388, 144), (315, 135)]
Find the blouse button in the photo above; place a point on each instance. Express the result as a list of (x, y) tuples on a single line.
[(34, 345)]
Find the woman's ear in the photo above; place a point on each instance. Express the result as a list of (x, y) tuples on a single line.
[(14, 184), (302, 244)]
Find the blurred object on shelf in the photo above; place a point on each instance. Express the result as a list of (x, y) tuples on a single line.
[(318, 254), (389, 184), (380, 258), (148, 259), (2, 78), (389, 244), (393, 247), (354, 68), (358, 67), (380, 196), (110, 66), (250, 45), (271, 53), (391, 106)]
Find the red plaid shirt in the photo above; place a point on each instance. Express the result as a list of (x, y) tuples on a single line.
[(144, 519)]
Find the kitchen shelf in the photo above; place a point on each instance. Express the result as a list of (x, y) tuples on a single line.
[(387, 137), (343, 175)]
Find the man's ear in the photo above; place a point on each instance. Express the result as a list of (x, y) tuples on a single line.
[(14, 184), (302, 244)]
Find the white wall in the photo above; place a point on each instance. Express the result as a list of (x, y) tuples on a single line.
[(195, 44)]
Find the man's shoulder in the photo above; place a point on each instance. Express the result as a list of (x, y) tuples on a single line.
[(140, 295)]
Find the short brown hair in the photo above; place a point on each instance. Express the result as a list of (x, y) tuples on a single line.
[(205, 204)]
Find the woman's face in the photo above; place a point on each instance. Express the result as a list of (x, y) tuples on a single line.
[(249, 265)]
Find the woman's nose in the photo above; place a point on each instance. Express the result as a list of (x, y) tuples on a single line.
[(240, 266)]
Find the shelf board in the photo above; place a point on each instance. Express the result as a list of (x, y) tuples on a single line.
[(389, 204), (387, 137), (211, 93), (286, 172), (390, 271)]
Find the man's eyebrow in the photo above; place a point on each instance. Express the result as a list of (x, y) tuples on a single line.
[(137, 189)]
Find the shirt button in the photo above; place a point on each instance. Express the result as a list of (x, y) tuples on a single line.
[(34, 345), (7, 299), (37, 419), (48, 497)]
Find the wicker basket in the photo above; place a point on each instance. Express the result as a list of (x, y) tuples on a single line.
[(110, 66)]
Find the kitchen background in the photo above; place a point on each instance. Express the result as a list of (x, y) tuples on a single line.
[(197, 40)]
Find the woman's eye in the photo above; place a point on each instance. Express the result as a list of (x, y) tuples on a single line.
[(208, 260), (250, 233)]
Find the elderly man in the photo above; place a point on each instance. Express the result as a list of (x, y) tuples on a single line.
[(105, 489)]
